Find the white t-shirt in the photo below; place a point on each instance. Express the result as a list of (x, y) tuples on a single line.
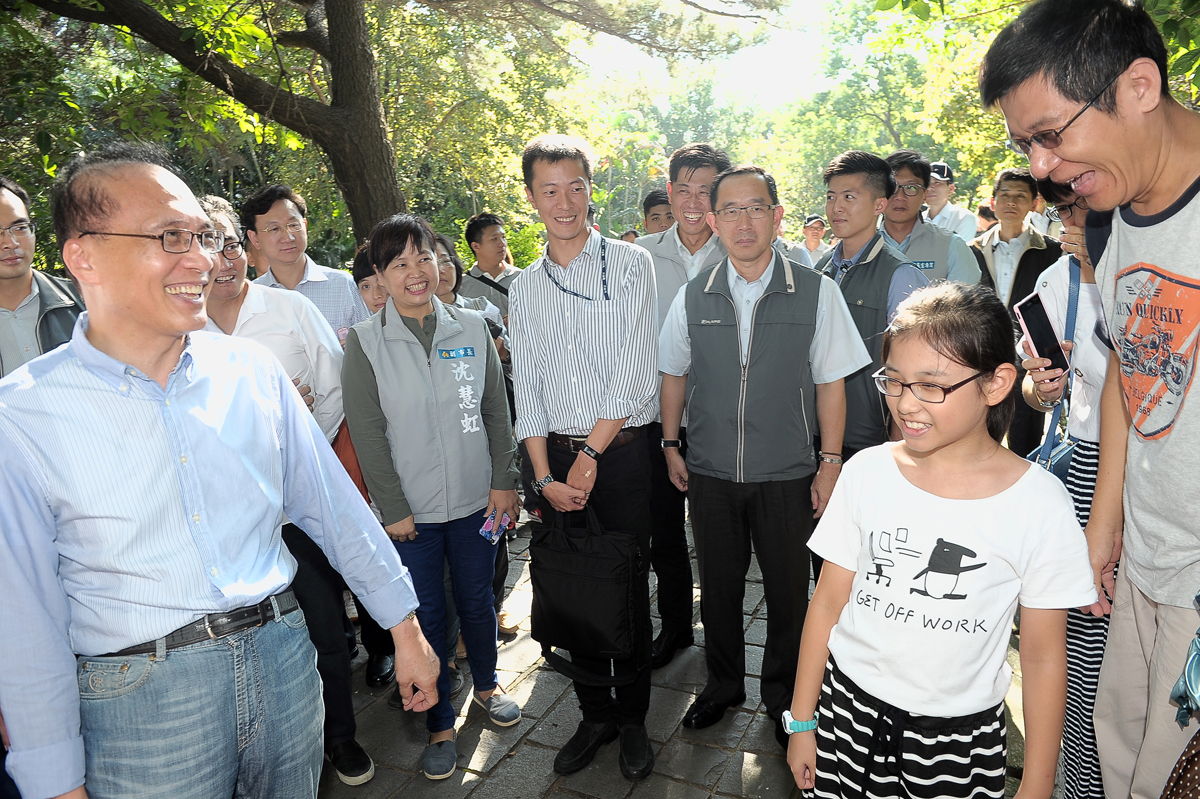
[(1089, 358), (937, 581)]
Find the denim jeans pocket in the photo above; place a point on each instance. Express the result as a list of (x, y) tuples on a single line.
[(108, 678), (295, 619)]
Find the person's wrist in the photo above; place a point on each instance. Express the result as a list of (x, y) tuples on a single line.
[(590, 452)]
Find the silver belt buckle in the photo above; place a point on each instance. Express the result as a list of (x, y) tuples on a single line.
[(208, 628)]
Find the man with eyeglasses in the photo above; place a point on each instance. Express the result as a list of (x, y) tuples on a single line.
[(275, 219), (941, 211), (37, 311), (1099, 116), (759, 346), (937, 252)]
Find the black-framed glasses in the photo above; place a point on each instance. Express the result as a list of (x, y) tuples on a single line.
[(753, 211), (1057, 213), (910, 189), (1049, 139), (175, 241), (925, 392), (21, 230), (232, 249)]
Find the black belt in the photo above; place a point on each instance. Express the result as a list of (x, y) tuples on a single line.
[(218, 625), (575, 443)]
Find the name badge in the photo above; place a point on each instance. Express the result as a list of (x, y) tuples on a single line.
[(461, 352), (924, 265)]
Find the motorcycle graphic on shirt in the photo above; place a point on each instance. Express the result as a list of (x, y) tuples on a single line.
[(1152, 355)]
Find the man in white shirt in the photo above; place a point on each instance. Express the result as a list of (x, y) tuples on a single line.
[(941, 212), (814, 235), (492, 273)]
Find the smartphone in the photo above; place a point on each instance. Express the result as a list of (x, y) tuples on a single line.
[(1040, 333), (491, 530)]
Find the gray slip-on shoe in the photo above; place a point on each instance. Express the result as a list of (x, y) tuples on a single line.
[(439, 760), (502, 709)]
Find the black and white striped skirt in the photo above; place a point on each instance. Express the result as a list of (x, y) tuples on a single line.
[(868, 749)]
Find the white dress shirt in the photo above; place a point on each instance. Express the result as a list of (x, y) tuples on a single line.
[(957, 220), (1007, 255)]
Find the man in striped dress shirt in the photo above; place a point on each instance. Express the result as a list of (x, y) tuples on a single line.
[(585, 360)]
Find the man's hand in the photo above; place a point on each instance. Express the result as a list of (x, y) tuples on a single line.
[(676, 468), (306, 394), (403, 530), (503, 502), (1073, 242), (563, 497), (1104, 550), (417, 667), (582, 476), (822, 486), (802, 758), (1048, 382)]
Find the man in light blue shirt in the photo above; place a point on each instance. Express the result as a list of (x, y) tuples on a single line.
[(151, 645)]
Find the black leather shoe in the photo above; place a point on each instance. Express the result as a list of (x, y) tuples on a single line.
[(703, 713), (381, 670), (352, 764), (666, 644), (636, 757), (583, 746)]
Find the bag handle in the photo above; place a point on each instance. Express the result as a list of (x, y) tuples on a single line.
[(1072, 308), (592, 523)]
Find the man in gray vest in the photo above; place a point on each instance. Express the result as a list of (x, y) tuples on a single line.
[(680, 253), (731, 336), (492, 274), (873, 276), (937, 252)]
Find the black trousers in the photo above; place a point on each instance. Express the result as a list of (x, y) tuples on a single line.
[(377, 640), (778, 518), (1025, 432), (668, 539), (621, 499), (501, 570), (319, 590)]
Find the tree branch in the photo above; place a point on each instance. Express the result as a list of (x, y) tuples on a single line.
[(315, 40), (78, 12), (716, 13)]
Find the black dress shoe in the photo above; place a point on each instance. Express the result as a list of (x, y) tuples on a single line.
[(636, 757), (666, 644), (351, 763), (703, 713), (381, 670), (583, 746)]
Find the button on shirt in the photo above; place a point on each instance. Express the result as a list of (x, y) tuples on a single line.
[(128, 510), (333, 292), (18, 332), (905, 280), (1007, 256)]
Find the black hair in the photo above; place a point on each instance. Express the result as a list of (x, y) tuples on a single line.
[(985, 212), (392, 237), (655, 198), (448, 243), (260, 202), (967, 324), (78, 204), (697, 155), (219, 206), (627, 232), (1078, 45), (21, 194), (361, 268), (914, 162), (1017, 174), (593, 210), (1054, 193), (479, 223), (553, 148), (872, 167), (772, 191)]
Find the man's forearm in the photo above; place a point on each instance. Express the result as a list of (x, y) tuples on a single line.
[(603, 432), (831, 414), (1107, 507), (536, 447), (674, 389)]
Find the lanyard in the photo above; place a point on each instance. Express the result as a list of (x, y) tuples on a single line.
[(603, 278)]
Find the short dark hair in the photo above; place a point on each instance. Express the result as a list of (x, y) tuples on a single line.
[(913, 161), (78, 204), (966, 324), (21, 194), (984, 211), (1079, 45), (261, 201), (479, 223), (872, 167), (394, 235), (219, 206), (1054, 193), (697, 155), (655, 198), (744, 170), (1017, 174), (552, 148), (448, 243), (361, 267), (627, 232)]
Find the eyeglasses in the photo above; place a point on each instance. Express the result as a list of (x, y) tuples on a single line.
[(1049, 139), (174, 241), (290, 227), (21, 230), (232, 249), (1057, 213), (925, 392), (910, 189), (753, 211)]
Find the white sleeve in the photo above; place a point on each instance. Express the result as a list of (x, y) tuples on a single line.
[(324, 352), (965, 229), (1055, 570), (837, 349), (674, 344)]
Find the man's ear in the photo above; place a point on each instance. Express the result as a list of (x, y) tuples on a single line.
[(880, 205), (474, 247), (529, 196), (712, 223), (77, 257), (252, 235), (1145, 82)]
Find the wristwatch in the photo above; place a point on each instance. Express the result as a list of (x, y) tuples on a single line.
[(1045, 403), (671, 443), (540, 485), (790, 725)]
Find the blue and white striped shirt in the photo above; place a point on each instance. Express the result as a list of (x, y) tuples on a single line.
[(128, 511), (333, 292)]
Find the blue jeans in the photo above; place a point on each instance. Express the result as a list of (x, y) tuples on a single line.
[(472, 562), (240, 716)]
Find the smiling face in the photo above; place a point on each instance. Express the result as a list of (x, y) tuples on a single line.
[(560, 194), (901, 208), (690, 202), (275, 238), (659, 219), (748, 240), (1012, 201), (852, 210), (16, 252), (231, 272), (411, 278)]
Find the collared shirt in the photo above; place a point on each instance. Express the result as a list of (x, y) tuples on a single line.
[(960, 263), (291, 327), (128, 510), (746, 294), (693, 261), (580, 360), (957, 220), (816, 255), (18, 332), (797, 253), (478, 283), (333, 292), (905, 280), (1007, 256)]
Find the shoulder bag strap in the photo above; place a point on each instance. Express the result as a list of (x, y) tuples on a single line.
[(1072, 309)]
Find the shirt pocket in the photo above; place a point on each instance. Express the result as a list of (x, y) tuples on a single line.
[(599, 335)]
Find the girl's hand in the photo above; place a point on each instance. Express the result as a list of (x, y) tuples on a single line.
[(802, 758), (1048, 382)]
